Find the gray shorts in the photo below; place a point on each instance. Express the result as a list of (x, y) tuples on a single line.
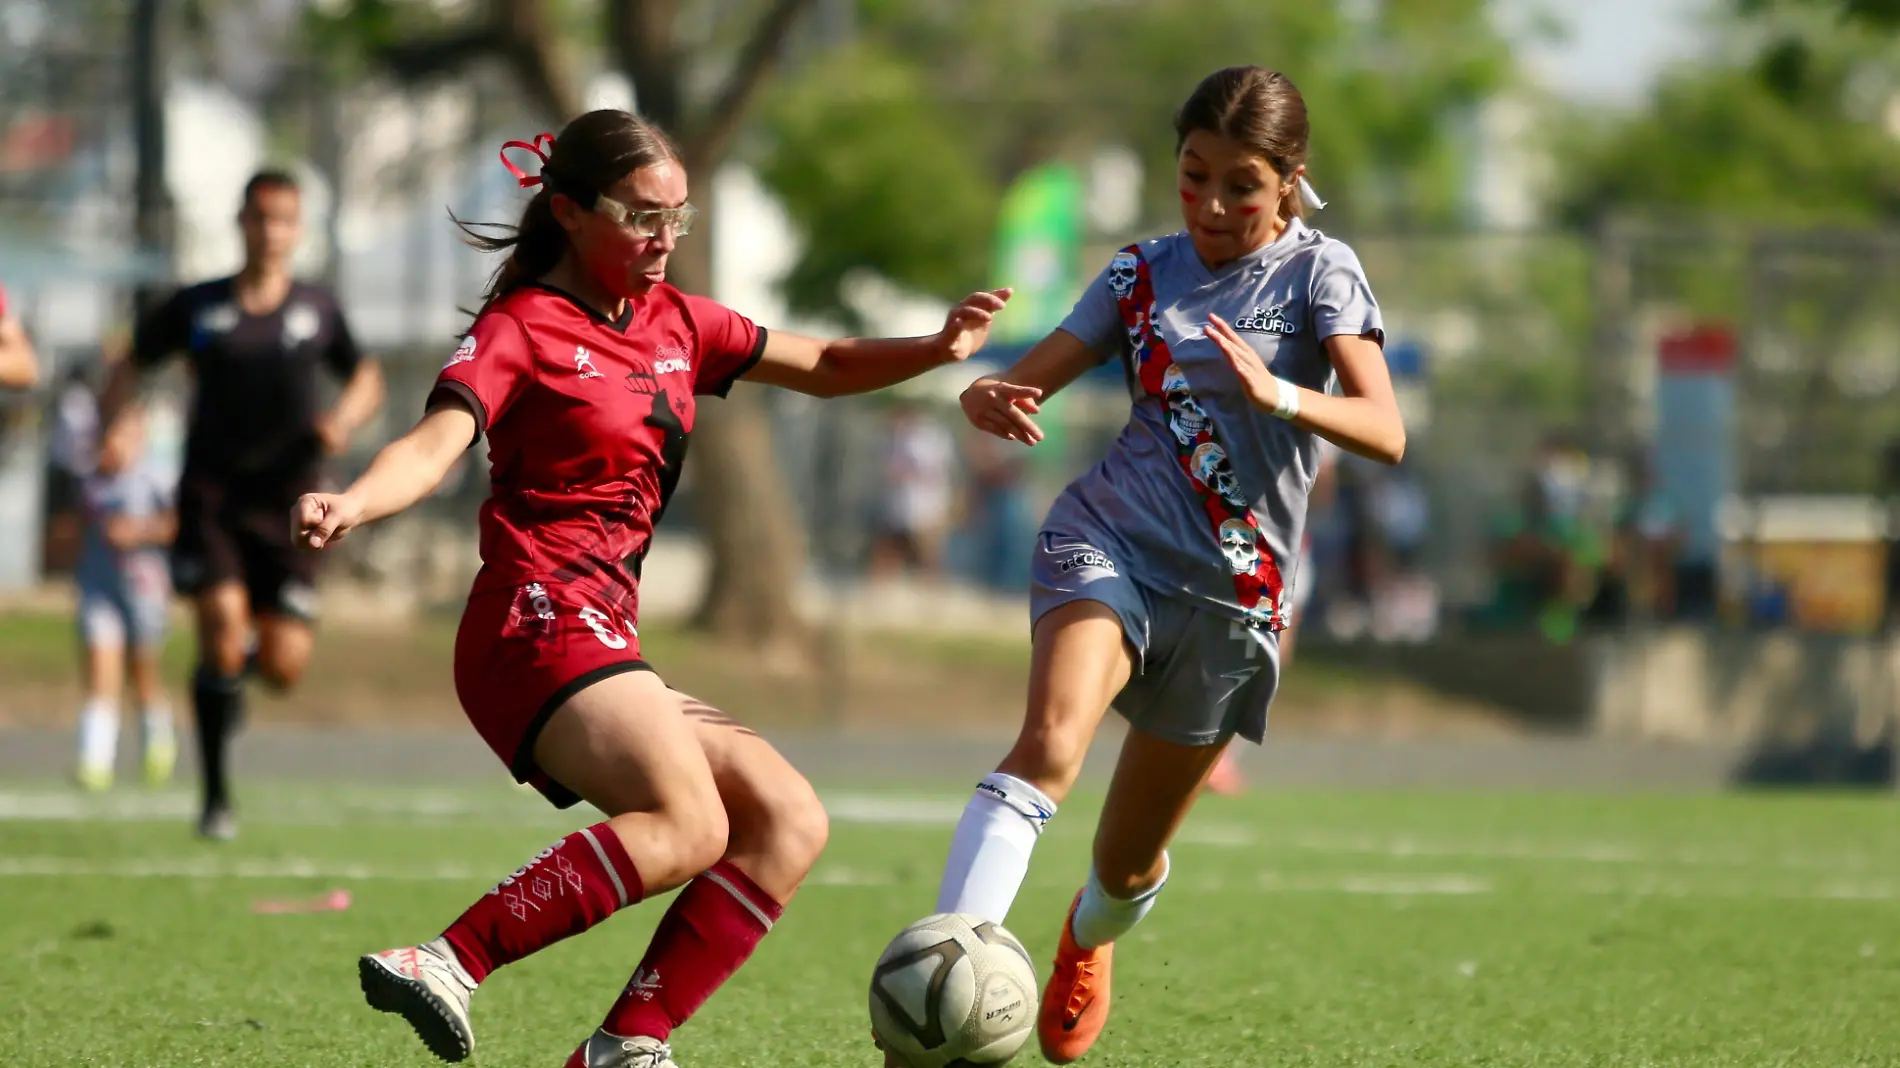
[(112, 617), (1200, 677)]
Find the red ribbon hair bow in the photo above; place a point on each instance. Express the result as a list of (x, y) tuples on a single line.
[(523, 178)]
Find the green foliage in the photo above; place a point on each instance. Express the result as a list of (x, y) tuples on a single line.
[(940, 105), (1791, 130), (878, 173)]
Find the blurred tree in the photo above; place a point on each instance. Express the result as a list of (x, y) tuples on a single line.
[(893, 160), (696, 69), (1798, 121)]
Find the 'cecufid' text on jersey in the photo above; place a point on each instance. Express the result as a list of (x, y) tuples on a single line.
[(1203, 495), (258, 397), (587, 421)]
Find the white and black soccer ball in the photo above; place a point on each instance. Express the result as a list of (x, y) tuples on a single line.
[(952, 991)]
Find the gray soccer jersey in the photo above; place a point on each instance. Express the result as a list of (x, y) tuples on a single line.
[(1170, 503)]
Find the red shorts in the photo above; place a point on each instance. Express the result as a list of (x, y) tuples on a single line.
[(522, 651)]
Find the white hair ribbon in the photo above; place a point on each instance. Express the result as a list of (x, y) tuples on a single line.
[(1309, 197)]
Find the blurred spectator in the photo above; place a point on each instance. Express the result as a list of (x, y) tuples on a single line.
[(1546, 554), (919, 457), (70, 456), (124, 595), (1639, 569), (1890, 490), (1369, 538), (1404, 597), (1001, 525)]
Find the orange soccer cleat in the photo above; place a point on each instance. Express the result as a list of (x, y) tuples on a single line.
[(1075, 1002)]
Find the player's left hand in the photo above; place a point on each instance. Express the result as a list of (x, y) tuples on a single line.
[(968, 325), (1255, 380)]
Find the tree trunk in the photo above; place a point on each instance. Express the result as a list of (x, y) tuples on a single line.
[(753, 534)]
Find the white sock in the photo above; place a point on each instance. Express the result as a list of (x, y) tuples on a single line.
[(1100, 919), (98, 734), (989, 854), (156, 722)]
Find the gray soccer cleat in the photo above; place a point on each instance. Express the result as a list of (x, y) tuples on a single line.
[(427, 986), (612, 1051)]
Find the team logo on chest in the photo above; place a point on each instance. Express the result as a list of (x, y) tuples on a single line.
[(584, 363), (671, 359), (641, 379), (218, 319), (301, 324), (1268, 320)]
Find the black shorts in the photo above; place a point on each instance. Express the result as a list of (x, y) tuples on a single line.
[(234, 533)]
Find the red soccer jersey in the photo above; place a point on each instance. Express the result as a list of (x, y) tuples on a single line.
[(587, 421)]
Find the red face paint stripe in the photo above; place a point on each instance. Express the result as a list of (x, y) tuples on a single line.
[(1258, 585)]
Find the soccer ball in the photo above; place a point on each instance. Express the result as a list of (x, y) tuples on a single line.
[(953, 990)]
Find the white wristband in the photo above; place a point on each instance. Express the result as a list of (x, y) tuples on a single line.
[(1289, 399)]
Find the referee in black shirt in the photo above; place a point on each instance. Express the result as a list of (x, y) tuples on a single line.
[(257, 344)]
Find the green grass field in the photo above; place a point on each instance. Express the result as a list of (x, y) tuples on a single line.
[(1299, 929)]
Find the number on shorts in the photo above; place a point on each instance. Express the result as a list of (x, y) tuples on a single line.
[(1244, 634), (596, 621)]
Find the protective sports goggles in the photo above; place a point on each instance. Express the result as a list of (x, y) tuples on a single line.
[(648, 223)]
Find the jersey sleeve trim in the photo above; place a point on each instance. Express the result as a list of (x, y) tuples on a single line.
[(1365, 327), (1102, 355), (758, 353), (450, 388)]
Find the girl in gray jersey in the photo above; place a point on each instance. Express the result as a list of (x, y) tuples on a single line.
[(124, 595), (1163, 575)]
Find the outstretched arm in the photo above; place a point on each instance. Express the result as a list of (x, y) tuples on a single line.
[(1002, 404), (404, 472), (862, 365)]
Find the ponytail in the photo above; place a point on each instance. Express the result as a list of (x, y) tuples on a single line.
[(534, 247)]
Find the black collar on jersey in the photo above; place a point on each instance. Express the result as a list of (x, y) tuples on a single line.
[(620, 323)]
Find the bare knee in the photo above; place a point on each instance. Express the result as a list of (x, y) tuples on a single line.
[(224, 653), (1049, 756), (283, 652), (678, 841), (789, 824), (280, 672)]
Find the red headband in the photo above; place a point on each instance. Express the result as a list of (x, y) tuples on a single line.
[(523, 178)]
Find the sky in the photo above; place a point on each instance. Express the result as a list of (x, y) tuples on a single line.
[(1614, 50)]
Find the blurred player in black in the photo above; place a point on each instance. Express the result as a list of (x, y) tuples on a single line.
[(258, 344)]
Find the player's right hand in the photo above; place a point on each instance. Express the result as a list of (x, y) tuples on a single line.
[(318, 519), (1003, 409)]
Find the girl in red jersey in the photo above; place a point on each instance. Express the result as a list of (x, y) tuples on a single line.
[(583, 370)]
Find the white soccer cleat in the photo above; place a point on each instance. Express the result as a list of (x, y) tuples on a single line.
[(603, 1050), (427, 986)]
